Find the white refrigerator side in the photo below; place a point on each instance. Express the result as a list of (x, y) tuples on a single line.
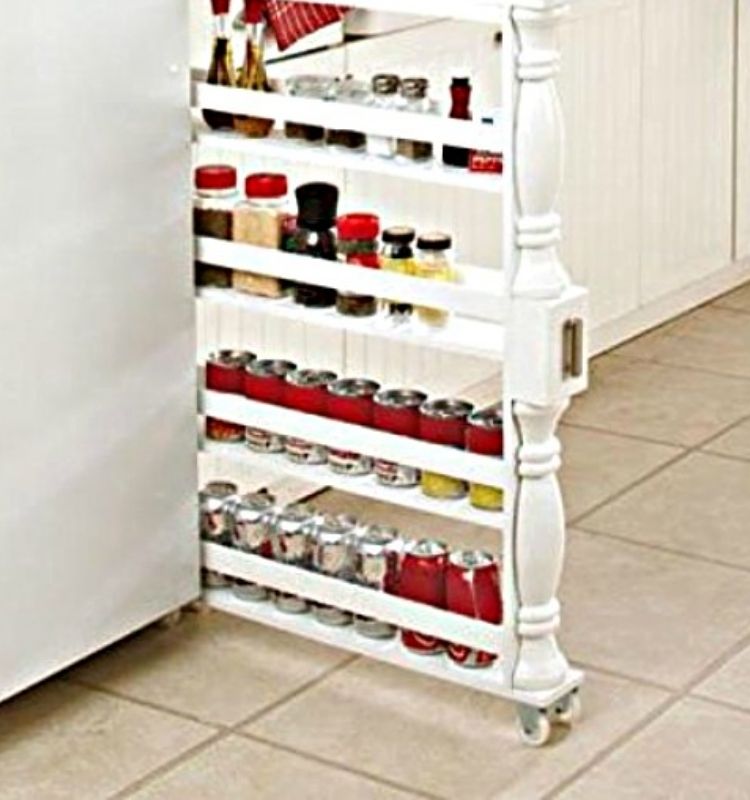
[(97, 418)]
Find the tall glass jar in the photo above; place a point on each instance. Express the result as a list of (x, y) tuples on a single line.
[(415, 100), (221, 69), (253, 73), (384, 96), (312, 87), (398, 256), (434, 263), (354, 93), (358, 246)]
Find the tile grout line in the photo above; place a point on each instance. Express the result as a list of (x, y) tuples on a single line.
[(634, 437)]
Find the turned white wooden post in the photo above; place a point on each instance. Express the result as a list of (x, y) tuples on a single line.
[(539, 287)]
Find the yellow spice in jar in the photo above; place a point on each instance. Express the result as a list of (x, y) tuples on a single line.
[(434, 264), (442, 487), (487, 498)]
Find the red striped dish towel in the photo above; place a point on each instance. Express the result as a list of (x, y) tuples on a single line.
[(292, 21)]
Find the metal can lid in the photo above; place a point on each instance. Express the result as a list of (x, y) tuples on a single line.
[(255, 501), (426, 548), (446, 408), (385, 83), (378, 536), (310, 377), (234, 359), (400, 398), (353, 387), (297, 512), (490, 418), (270, 367), (220, 489), (470, 560), (414, 88)]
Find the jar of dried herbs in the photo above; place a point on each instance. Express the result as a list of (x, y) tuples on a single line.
[(415, 100), (214, 200), (358, 246)]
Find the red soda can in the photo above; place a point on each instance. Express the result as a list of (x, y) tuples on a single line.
[(422, 579), (472, 588)]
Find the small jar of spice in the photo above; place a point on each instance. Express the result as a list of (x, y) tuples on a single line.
[(398, 256), (214, 200), (384, 96), (414, 99), (444, 422), (484, 435), (433, 263), (358, 245)]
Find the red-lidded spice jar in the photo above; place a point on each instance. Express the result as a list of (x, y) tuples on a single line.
[(351, 400), (472, 588), (443, 422), (422, 579), (225, 370), (357, 245), (265, 380), (484, 435), (306, 390), (397, 411)]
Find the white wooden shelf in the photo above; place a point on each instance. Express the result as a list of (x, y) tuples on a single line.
[(276, 464), (279, 147), (461, 335), (480, 295), (346, 116), (487, 470)]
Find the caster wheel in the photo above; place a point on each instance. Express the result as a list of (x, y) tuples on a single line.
[(198, 607), (170, 620), (568, 709), (534, 727)]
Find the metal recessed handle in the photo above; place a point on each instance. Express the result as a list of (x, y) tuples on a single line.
[(572, 365)]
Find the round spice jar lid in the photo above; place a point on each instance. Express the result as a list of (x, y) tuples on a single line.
[(399, 234), (385, 83), (353, 387), (216, 177), (359, 226), (490, 418), (414, 88), (266, 185), (446, 409), (435, 241)]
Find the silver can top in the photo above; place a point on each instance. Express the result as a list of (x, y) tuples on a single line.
[(400, 398), (490, 418), (219, 490), (472, 560), (310, 377), (233, 359), (353, 387), (447, 408), (270, 367), (425, 548)]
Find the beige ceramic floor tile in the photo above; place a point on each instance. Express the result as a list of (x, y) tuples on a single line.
[(444, 739), (214, 667), (693, 752), (699, 505), (731, 683), (239, 768), (597, 465), (647, 614), (735, 442), (715, 339), (739, 299), (59, 742), (682, 407)]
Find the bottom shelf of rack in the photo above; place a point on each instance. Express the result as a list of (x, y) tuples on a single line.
[(488, 679)]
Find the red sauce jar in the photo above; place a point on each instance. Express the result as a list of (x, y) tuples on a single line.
[(225, 370), (264, 380), (443, 422), (351, 400), (422, 579), (397, 411), (306, 390)]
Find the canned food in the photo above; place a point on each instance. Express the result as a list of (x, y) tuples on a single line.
[(484, 434), (260, 441), (264, 380), (443, 422), (472, 588), (306, 390), (214, 502), (251, 517), (332, 555), (225, 370), (300, 451), (422, 579), (351, 400), (376, 565), (219, 430), (397, 411), (292, 544)]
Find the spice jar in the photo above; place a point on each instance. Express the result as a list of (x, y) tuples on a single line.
[(484, 435), (351, 400), (314, 237), (398, 256), (251, 517), (414, 99), (265, 381), (355, 93), (358, 245), (397, 411), (332, 555), (460, 109), (384, 96), (213, 276), (443, 422), (306, 390), (312, 87), (292, 544), (214, 200), (258, 220), (225, 371), (253, 75), (433, 263)]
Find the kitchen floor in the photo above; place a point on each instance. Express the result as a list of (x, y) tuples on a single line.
[(656, 608)]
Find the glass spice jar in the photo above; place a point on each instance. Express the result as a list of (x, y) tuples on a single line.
[(306, 391), (398, 256), (414, 99), (397, 411), (433, 263), (312, 87), (384, 96), (351, 400), (357, 245), (258, 221), (253, 75), (354, 93), (484, 435), (443, 422), (214, 200)]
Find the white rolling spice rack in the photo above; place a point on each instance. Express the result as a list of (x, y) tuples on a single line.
[(528, 317)]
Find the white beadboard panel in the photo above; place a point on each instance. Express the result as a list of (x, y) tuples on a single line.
[(742, 247), (687, 141), (600, 89)]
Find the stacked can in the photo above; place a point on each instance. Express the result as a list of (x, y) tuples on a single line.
[(376, 555), (264, 380), (291, 543), (215, 501), (472, 588), (422, 579), (444, 422), (484, 435), (332, 536), (397, 411), (251, 517), (225, 371), (351, 400), (306, 391)]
